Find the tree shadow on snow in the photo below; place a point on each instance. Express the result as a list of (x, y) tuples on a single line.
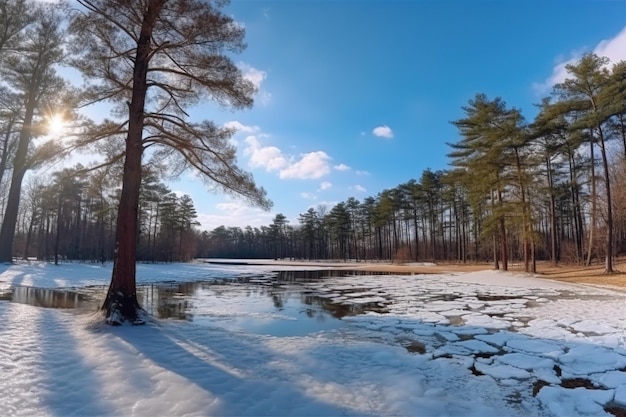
[(216, 361), (18, 274), (16, 280), (71, 387)]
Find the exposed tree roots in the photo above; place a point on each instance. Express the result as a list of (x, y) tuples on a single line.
[(123, 309)]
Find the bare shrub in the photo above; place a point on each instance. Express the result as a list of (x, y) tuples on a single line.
[(402, 255), (568, 252)]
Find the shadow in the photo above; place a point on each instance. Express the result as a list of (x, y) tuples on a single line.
[(43, 372), (71, 388), (224, 365), (15, 277), (16, 273)]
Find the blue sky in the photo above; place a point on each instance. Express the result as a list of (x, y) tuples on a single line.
[(357, 96)]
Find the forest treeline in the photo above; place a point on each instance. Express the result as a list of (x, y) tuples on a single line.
[(550, 189), (516, 190), (72, 215)]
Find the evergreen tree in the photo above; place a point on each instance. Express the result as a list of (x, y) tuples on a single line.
[(588, 98), (29, 71), (484, 153), (154, 59)]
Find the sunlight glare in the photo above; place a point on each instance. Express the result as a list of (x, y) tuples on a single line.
[(56, 125)]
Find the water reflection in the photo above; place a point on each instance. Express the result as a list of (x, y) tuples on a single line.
[(51, 298), (177, 300), (167, 300), (280, 303)]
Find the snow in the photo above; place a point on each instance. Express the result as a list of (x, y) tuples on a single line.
[(620, 395), (487, 340)]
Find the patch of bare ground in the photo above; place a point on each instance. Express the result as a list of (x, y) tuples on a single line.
[(593, 274), (617, 411), (572, 273)]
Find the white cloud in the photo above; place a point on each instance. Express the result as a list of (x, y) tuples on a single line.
[(614, 49), (313, 165), (325, 185), (256, 77), (383, 132), (232, 208), (308, 196), (269, 157), (362, 173), (240, 127), (342, 167), (358, 188)]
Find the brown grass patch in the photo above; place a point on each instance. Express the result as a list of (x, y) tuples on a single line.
[(579, 274)]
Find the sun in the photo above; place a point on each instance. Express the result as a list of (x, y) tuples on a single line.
[(56, 125)]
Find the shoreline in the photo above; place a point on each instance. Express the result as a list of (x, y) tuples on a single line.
[(593, 275)]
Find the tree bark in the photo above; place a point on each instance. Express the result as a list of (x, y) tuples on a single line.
[(608, 262), (121, 302), (5, 148), (553, 231), (592, 221), (503, 243), (9, 221)]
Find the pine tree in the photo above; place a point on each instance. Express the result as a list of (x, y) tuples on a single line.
[(153, 59)]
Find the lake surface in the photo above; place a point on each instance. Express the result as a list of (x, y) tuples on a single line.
[(278, 304), (297, 303)]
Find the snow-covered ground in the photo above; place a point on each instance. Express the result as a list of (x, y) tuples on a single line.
[(473, 344)]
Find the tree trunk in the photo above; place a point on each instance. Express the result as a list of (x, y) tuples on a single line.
[(59, 223), (9, 220), (416, 236), (29, 235), (496, 262), (121, 302), (577, 213), (608, 263), (503, 243), (592, 226), (525, 216), (5, 148), (553, 232)]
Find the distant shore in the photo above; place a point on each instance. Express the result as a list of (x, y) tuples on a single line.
[(593, 275)]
